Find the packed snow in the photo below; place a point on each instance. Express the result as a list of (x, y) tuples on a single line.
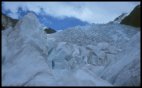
[(93, 55)]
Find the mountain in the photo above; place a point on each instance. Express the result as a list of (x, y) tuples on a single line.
[(50, 21), (59, 23), (8, 22), (120, 18), (133, 19), (92, 55)]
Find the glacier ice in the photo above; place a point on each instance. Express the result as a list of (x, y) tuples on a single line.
[(93, 55), (126, 71)]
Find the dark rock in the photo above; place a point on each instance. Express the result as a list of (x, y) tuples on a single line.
[(8, 22), (49, 30), (133, 19)]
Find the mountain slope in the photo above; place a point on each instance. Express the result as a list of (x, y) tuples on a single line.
[(50, 21), (120, 18), (133, 19), (8, 22)]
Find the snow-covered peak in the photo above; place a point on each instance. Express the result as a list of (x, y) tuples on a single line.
[(120, 18)]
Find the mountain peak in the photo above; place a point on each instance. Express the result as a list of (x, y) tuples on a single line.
[(120, 18), (133, 19)]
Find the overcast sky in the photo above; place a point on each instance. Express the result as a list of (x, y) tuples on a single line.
[(92, 12)]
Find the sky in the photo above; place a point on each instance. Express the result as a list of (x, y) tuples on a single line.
[(91, 12)]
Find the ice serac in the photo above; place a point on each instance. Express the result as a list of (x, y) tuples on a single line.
[(29, 59), (26, 55), (126, 71), (28, 25), (113, 48)]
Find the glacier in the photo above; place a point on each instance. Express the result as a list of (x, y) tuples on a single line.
[(92, 55)]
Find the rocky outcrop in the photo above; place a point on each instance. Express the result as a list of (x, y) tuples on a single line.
[(8, 22), (49, 30), (133, 19)]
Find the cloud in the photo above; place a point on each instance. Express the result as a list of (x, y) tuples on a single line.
[(92, 12)]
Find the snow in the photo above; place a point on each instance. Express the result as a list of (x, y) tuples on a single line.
[(120, 18), (78, 56)]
